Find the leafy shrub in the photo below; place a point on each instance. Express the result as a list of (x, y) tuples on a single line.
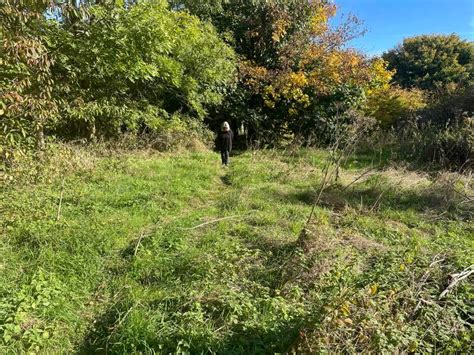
[(451, 147), (449, 107), (176, 132), (389, 105)]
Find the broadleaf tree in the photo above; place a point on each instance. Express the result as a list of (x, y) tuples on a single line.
[(432, 62), (294, 66), (99, 68)]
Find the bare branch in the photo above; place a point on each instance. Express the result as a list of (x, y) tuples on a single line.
[(456, 278), (217, 220)]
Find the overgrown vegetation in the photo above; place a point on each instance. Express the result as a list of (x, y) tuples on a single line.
[(346, 228), (437, 129), (162, 252), (276, 69), (105, 71)]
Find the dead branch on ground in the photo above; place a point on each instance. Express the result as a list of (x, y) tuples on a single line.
[(456, 278)]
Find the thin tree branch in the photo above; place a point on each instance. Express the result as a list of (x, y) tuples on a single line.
[(216, 220), (457, 278), (58, 215)]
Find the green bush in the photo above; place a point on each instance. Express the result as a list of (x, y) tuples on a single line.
[(451, 147)]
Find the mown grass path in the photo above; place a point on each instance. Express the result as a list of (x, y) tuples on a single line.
[(173, 253)]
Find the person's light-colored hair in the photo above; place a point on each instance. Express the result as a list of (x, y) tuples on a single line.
[(225, 126)]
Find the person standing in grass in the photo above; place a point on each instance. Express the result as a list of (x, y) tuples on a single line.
[(224, 142)]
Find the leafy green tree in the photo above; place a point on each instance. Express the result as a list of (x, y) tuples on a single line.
[(26, 106), (293, 65), (114, 67), (432, 61), (121, 61), (27, 85)]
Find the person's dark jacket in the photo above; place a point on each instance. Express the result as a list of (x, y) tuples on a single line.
[(224, 140)]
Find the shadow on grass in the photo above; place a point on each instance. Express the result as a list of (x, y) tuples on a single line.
[(368, 158), (96, 340), (226, 180), (259, 341), (377, 198), (279, 266), (111, 333), (241, 340)]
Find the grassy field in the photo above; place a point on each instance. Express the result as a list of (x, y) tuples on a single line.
[(146, 252)]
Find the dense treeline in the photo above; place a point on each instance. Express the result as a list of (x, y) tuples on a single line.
[(295, 70), (277, 69), (103, 70), (440, 129)]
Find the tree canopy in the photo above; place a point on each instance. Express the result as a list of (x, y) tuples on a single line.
[(110, 68), (432, 61), (293, 65), (87, 69)]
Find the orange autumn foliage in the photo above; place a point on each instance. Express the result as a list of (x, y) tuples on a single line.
[(313, 62)]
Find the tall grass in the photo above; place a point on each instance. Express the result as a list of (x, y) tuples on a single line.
[(160, 253)]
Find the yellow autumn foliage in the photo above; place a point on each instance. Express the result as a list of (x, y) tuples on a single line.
[(319, 69), (380, 75), (388, 104), (279, 29), (319, 22)]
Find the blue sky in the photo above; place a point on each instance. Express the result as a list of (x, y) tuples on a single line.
[(389, 21)]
